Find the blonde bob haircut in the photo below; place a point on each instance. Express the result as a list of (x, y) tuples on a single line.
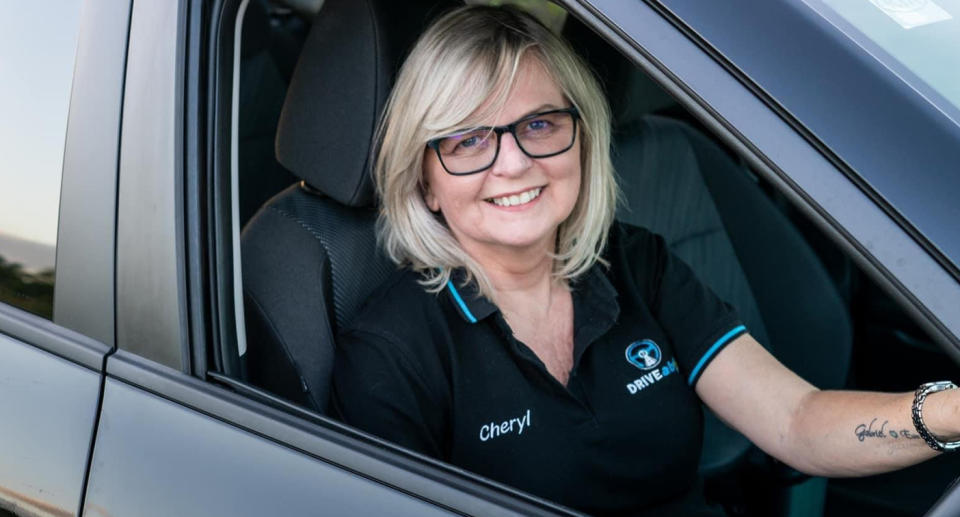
[(468, 59)]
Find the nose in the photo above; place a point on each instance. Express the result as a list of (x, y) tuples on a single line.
[(511, 160)]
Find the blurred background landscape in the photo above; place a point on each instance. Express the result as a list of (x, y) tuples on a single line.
[(26, 274)]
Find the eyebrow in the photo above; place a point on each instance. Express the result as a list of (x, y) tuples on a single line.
[(539, 109), (543, 107)]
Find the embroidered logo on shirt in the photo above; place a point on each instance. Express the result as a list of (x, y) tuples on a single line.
[(494, 429), (644, 354), (652, 377)]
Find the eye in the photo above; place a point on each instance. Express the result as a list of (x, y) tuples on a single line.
[(469, 142), (539, 125)]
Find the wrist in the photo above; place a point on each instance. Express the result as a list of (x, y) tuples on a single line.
[(942, 415)]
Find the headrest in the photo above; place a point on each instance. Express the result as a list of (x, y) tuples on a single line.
[(305, 7), (339, 87)]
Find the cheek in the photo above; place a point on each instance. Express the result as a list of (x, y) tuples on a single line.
[(445, 192), (573, 179)]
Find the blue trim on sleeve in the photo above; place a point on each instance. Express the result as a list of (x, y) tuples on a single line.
[(463, 306), (726, 338)]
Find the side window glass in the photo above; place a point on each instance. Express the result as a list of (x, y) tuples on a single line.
[(38, 43)]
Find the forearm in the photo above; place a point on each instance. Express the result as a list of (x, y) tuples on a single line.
[(848, 433), (824, 433)]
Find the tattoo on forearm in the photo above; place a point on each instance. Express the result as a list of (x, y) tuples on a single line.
[(872, 430)]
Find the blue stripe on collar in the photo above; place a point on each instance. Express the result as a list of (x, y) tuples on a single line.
[(463, 306)]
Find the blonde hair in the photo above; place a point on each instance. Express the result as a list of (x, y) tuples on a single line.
[(466, 59)]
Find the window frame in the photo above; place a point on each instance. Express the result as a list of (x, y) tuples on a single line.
[(84, 288), (151, 305)]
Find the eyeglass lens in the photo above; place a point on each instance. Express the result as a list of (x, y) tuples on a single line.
[(540, 135)]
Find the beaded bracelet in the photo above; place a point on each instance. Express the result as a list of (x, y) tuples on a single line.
[(918, 398)]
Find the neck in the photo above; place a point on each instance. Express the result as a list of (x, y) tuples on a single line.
[(522, 280), (513, 269)]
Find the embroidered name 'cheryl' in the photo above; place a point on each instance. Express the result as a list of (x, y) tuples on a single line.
[(493, 429)]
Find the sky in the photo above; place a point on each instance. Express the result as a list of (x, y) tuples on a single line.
[(38, 43)]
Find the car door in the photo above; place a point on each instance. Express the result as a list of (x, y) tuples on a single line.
[(61, 90), (172, 439)]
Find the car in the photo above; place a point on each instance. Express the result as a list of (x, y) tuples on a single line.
[(163, 351)]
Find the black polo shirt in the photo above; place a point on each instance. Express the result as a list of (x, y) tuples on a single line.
[(442, 374)]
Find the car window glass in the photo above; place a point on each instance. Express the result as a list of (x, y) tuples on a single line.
[(919, 40), (38, 43)]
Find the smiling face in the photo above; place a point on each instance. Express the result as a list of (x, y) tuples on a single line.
[(518, 203)]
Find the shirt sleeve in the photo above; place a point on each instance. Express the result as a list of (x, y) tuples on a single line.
[(379, 389), (698, 323)]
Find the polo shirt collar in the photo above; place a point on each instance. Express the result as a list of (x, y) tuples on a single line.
[(467, 299), (593, 290), (595, 309)]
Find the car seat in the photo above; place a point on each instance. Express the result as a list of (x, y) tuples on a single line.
[(716, 218), (309, 255)]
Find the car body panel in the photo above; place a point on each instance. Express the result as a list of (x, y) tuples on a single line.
[(155, 457), (330, 447), (48, 407)]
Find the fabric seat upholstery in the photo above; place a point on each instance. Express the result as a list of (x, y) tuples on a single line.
[(309, 255), (717, 219)]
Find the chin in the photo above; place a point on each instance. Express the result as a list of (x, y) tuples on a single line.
[(522, 238)]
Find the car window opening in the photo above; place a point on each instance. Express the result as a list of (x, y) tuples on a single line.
[(839, 329)]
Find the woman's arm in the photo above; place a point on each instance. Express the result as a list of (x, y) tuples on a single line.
[(823, 433)]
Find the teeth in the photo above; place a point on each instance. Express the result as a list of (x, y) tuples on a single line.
[(519, 199)]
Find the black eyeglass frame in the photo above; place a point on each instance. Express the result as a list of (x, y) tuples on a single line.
[(512, 129)]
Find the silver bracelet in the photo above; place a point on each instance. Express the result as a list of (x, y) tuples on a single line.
[(918, 398)]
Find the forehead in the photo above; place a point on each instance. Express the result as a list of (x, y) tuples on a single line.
[(533, 89)]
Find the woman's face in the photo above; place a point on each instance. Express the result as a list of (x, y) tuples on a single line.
[(474, 206)]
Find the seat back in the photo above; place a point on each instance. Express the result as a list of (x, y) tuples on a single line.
[(716, 218), (309, 254)]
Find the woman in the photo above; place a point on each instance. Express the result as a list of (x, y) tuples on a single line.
[(531, 339)]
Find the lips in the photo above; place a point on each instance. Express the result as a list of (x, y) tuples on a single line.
[(518, 199)]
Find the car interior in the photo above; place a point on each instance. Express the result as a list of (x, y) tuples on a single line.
[(312, 78)]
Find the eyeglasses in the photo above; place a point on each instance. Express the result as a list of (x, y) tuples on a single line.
[(540, 135)]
